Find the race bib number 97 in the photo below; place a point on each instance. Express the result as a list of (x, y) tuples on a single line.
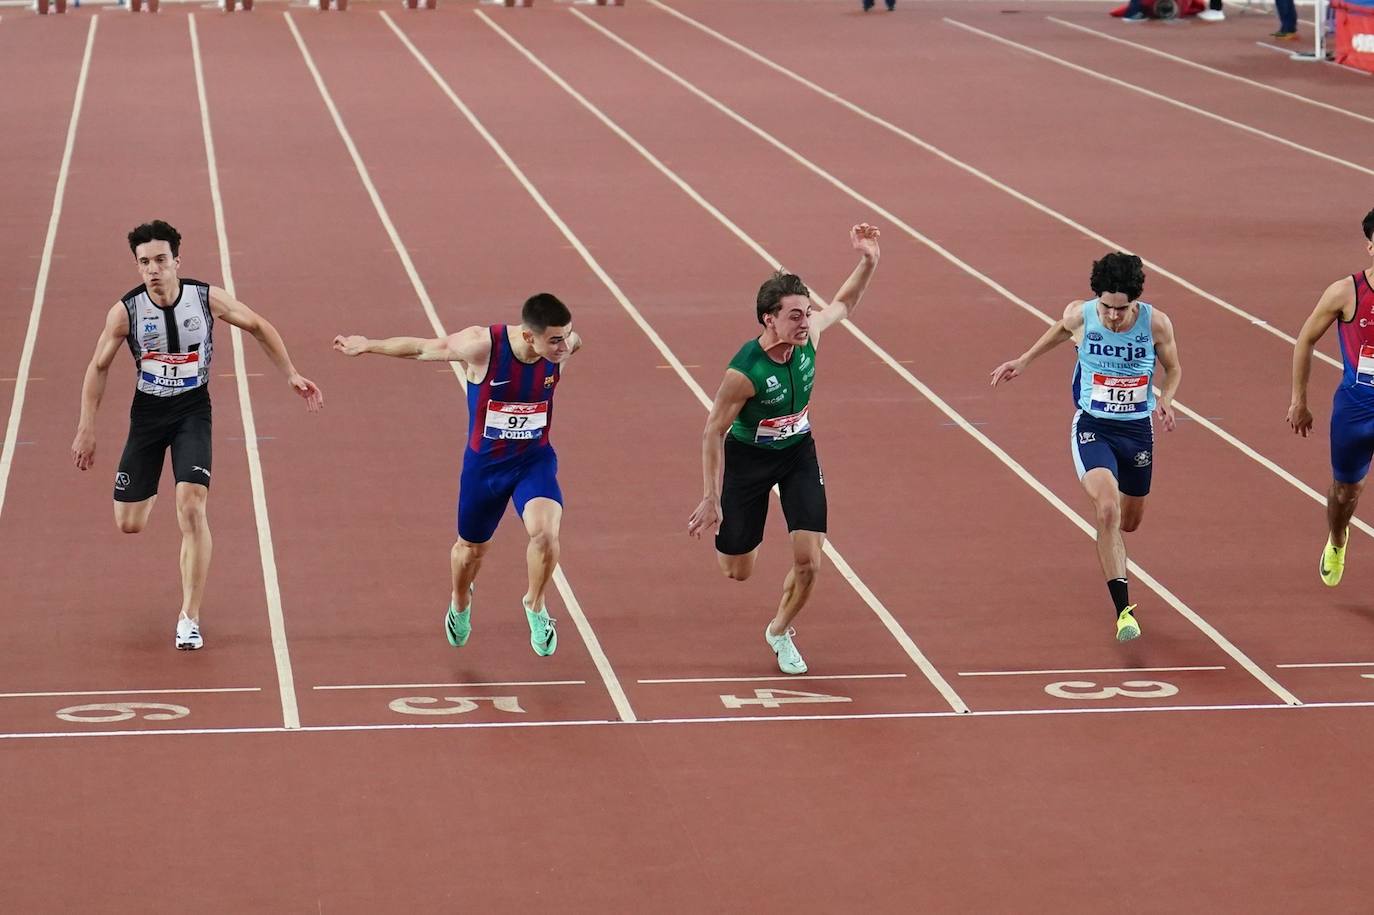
[(170, 370), (515, 421), (1127, 396)]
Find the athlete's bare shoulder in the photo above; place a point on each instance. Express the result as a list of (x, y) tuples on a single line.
[(1073, 314)]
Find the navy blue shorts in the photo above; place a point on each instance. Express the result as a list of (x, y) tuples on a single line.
[(1126, 447), (486, 488), (1352, 433)]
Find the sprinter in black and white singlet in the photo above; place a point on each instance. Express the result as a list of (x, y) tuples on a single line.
[(167, 324)]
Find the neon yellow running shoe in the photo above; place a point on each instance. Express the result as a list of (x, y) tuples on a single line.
[(1333, 561), (1126, 626)]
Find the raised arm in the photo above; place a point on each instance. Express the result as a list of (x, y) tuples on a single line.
[(229, 309), (735, 391), (93, 385), (864, 239), (1333, 303), (1066, 328), (1166, 357)]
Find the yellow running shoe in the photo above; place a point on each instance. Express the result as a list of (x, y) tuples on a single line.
[(1126, 626), (1333, 561)]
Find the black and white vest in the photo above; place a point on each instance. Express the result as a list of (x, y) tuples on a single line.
[(171, 346)]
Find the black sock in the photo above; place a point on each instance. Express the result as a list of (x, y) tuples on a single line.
[(1120, 595)]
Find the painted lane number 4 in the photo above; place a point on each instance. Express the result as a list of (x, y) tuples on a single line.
[(777, 698), (1130, 689)]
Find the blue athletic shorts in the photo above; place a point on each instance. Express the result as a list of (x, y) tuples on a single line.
[(486, 488), (1352, 434), (1126, 447)]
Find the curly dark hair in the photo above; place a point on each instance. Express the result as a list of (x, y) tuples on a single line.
[(1368, 225), (771, 293), (1119, 272), (157, 230)]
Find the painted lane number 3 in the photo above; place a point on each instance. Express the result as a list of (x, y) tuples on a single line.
[(1130, 689)]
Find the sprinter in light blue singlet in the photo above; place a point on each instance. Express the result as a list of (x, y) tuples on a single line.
[(1122, 342)]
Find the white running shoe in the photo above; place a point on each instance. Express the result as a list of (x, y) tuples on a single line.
[(188, 635), (1212, 15), (789, 659)]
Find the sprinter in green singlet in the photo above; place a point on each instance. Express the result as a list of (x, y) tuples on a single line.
[(759, 436)]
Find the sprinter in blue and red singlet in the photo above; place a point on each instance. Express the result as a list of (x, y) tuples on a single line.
[(512, 372), (1121, 342), (1349, 303)]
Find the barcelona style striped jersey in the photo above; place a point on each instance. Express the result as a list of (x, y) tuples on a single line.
[(510, 411)]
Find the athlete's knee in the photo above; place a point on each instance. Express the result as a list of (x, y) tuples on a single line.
[(191, 514), (467, 551), (1346, 493), (737, 568), (1129, 523), (544, 539), (1108, 514), (130, 524)]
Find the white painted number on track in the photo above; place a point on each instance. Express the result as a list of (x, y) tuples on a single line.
[(107, 712), (428, 705), (777, 698), (1131, 689)]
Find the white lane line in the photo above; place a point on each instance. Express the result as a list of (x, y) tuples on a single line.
[(1255, 131), (482, 685), (1187, 612), (965, 167), (584, 628), (40, 288), (968, 269), (276, 619), (1091, 670), (788, 679), (1336, 664), (842, 566), (1213, 70), (133, 692), (740, 719)]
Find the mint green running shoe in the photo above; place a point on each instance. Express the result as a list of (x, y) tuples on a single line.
[(543, 635), (458, 623)]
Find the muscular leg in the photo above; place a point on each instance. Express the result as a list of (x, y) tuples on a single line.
[(542, 518), (132, 517), (800, 580), (465, 559), (195, 545), (1132, 512), (1341, 500), (1111, 550), (738, 568)]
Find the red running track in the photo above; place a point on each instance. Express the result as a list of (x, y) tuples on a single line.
[(1202, 789)]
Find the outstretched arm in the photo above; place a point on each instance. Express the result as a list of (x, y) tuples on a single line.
[(93, 386), (230, 309), (1166, 357), (1339, 296), (1061, 330), (864, 239), (734, 393), (470, 345)]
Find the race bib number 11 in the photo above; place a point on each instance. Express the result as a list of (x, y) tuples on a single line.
[(171, 370)]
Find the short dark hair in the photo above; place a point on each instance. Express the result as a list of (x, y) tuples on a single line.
[(543, 311), (157, 230), (775, 288), (1119, 272), (1368, 225)]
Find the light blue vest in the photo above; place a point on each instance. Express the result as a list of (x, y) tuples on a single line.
[(1113, 377)]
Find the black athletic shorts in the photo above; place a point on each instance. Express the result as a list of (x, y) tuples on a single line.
[(155, 424), (750, 472)]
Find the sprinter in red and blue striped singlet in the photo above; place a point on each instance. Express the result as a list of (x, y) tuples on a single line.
[(1348, 303), (511, 372)]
